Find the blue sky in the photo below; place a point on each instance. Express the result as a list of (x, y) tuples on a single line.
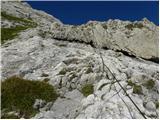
[(79, 12)]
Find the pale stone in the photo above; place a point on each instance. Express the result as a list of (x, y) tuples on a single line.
[(70, 65)]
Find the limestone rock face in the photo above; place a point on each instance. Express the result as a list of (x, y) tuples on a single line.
[(139, 38), (67, 68), (25, 11), (70, 57)]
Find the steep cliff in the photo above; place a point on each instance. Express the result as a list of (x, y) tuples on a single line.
[(139, 38)]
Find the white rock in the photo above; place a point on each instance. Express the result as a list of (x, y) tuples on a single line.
[(127, 40), (150, 106), (88, 101), (39, 103), (29, 55)]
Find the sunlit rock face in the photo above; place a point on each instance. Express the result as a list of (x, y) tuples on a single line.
[(69, 57), (139, 38), (22, 9)]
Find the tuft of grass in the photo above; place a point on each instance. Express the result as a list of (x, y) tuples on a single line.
[(138, 25), (130, 83), (129, 26), (19, 95), (137, 89), (17, 19), (104, 25), (9, 116), (11, 33), (149, 84), (87, 89), (135, 25)]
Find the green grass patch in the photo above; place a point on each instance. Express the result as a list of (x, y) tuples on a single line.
[(130, 83), (149, 84), (134, 25), (17, 19), (104, 25), (9, 116), (19, 95), (137, 89), (87, 89), (11, 33)]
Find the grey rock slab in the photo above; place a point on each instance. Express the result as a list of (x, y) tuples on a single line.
[(67, 107), (150, 106), (141, 42), (70, 65)]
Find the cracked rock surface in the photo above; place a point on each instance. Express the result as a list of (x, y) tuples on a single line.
[(68, 65), (139, 38)]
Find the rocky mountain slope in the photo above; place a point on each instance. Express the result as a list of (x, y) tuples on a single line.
[(139, 38), (93, 67)]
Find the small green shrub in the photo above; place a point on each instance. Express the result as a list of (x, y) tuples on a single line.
[(135, 25), (130, 83), (137, 89), (129, 26), (10, 33), (138, 25), (104, 25), (149, 84), (87, 89), (19, 95), (27, 22), (9, 116)]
